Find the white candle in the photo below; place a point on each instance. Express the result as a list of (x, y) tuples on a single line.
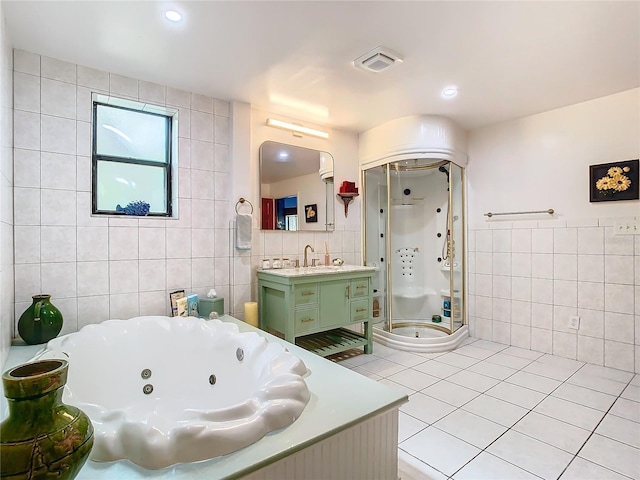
[(251, 313)]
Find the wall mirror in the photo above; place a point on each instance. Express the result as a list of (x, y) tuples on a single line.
[(296, 188)]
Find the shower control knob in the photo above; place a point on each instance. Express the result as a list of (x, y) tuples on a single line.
[(438, 210), (439, 259), (381, 211), (382, 259), (439, 234), (382, 235)]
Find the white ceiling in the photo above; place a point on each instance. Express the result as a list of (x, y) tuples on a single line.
[(509, 59)]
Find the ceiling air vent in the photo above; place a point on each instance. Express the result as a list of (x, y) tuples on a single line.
[(377, 60)]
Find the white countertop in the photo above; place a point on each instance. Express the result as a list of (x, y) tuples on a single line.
[(340, 398), (319, 270)]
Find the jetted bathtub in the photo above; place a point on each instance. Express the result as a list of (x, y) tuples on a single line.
[(166, 390)]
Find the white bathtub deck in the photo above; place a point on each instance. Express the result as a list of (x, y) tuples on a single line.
[(341, 401)]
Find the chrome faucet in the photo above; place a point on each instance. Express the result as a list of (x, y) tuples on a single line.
[(306, 263)]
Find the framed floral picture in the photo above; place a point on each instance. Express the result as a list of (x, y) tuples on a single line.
[(311, 213), (609, 182)]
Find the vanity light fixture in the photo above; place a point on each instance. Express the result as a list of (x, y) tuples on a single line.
[(173, 16), (272, 122), (450, 92)]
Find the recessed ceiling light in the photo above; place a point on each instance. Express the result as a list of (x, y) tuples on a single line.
[(283, 155), (173, 16), (449, 92)]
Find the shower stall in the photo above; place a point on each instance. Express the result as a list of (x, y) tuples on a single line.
[(414, 233)]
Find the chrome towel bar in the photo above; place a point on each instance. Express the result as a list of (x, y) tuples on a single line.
[(550, 212)]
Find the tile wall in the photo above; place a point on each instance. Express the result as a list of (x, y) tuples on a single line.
[(98, 267), (526, 279), (6, 190)]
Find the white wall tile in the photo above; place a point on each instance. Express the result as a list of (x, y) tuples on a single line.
[(617, 244), (152, 93), (184, 182), (178, 98), (521, 288), (222, 186), (26, 62), (93, 278), (591, 268), (521, 264), (501, 332), (184, 123), (202, 128), (59, 279), (221, 129), (619, 355), (591, 240), (202, 213), (619, 269), (58, 244), (58, 98), (58, 171), (565, 344), (618, 298), (202, 103), (619, 327), (152, 275), (178, 242), (590, 350), (591, 322), (520, 313), (565, 240), (28, 237), (153, 303), (58, 70), (221, 272), (26, 130), (26, 92), (542, 265), (178, 274), (123, 243), (591, 295), (58, 207), (123, 306), (27, 283), (484, 285), (93, 243), (58, 135), (83, 174), (152, 243), (501, 241), (542, 241), (521, 336), (222, 107), (27, 206), (69, 309), (222, 162), (542, 290), (521, 240), (84, 106), (500, 308), (92, 78), (83, 138), (565, 293), (202, 184), (561, 316), (26, 168), (541, 340), (542, 316), (123, 276), (565, 267), (501, 264), (201, 155), (92, 310), (202, 242), (123, 86), (202, 272)]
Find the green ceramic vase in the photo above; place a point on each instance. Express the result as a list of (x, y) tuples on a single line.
[(41, 322), (42, 438)]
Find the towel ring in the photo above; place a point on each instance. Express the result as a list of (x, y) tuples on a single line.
[(241, 201)]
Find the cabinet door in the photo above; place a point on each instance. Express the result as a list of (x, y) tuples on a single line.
[(334, 303), (306, 294), (360, 311), (305, 319)]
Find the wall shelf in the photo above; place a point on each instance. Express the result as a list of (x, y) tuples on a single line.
[(347, 198)]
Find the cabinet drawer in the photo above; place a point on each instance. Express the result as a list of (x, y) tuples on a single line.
[(306, 294), (360, 310), (305, 319), (359, 288)]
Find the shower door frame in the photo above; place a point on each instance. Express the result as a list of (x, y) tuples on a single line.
[(388, 249)]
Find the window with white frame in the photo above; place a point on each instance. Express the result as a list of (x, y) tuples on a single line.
[(134, 157)]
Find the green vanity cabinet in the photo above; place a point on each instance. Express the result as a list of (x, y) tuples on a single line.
[(312, 306)]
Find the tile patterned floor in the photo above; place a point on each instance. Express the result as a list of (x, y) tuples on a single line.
[(490, 411)]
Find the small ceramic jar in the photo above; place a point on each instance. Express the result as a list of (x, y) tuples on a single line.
[(265, 264)]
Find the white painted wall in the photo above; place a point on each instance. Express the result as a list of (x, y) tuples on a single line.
[(529, 274), (542, 161), (6, 190)]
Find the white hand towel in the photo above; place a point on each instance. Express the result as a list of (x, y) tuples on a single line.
[(243, 231)]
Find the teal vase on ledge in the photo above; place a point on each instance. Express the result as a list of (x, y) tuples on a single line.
[(41, 322), (42, 438)]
